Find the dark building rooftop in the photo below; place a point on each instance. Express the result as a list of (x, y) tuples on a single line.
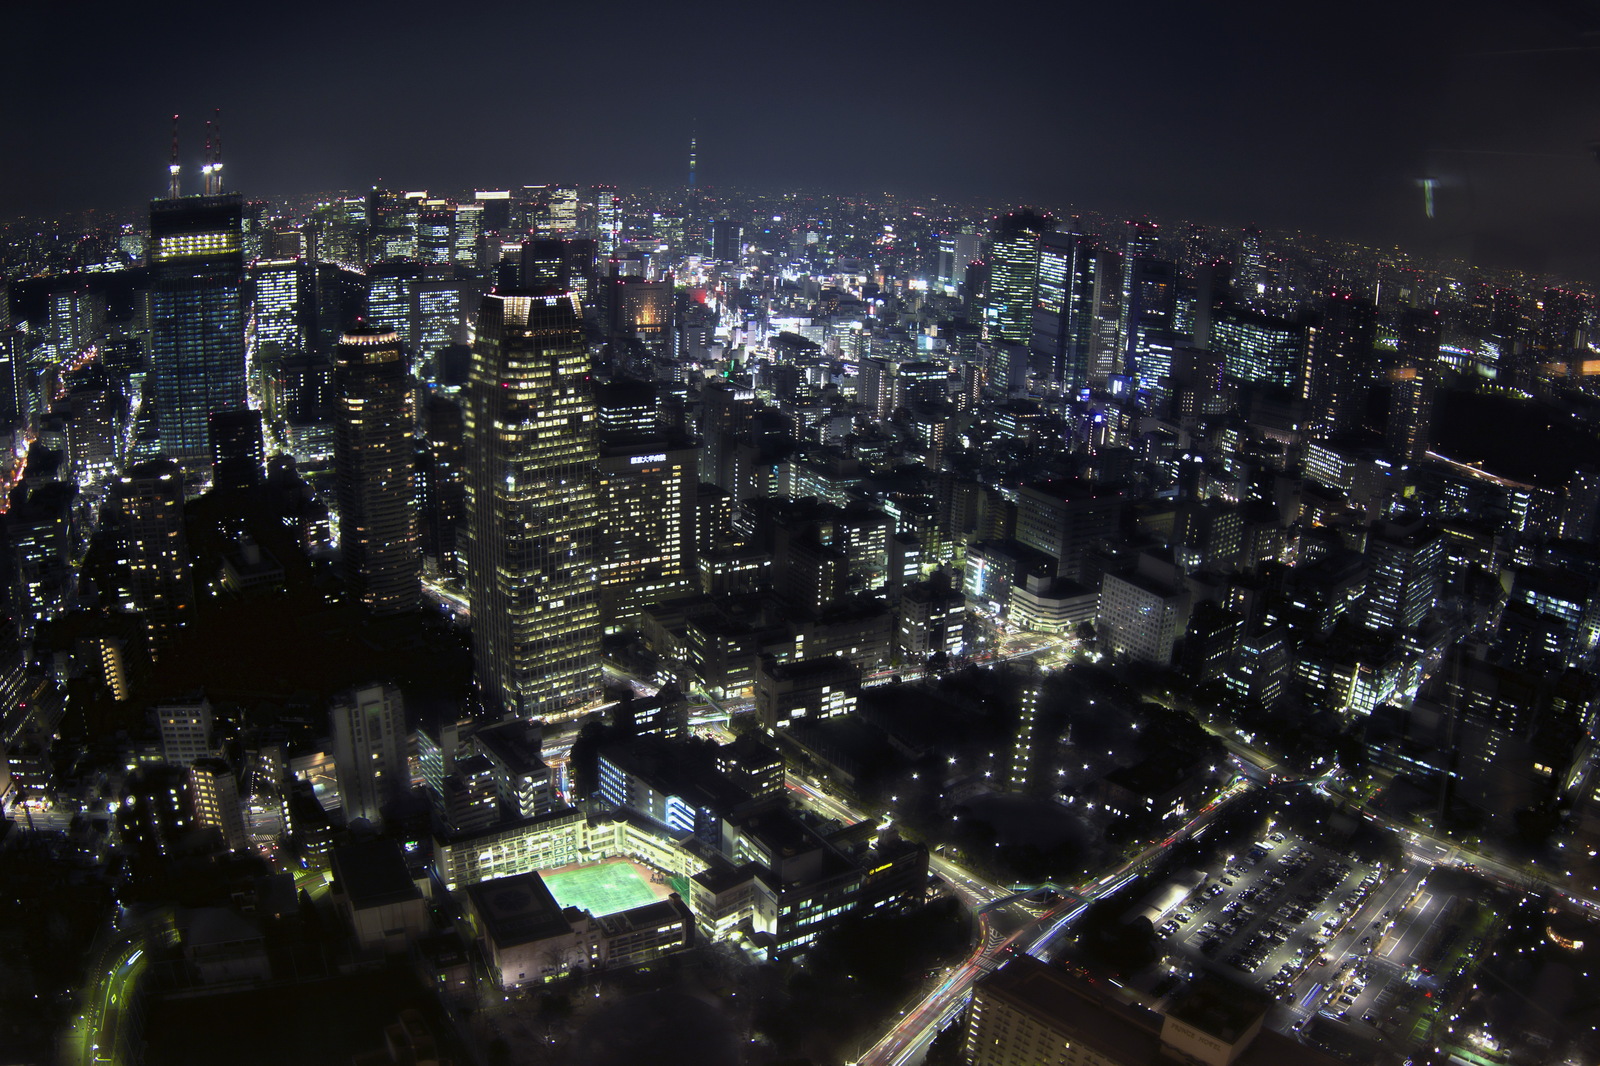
[(518, 909), (373, 873)]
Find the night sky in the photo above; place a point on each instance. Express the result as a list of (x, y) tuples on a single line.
[(1322, 117)]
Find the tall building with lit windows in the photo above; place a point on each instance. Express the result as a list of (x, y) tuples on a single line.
[(278, 290), (1013, 261), (639, 309), (645, 497), (607, 217), (435, 221), (153, 551), (214, 791), (531, 459), (374, 457), (1258, 349), (1074, 286), (561, 212), (464, 237), (197, 308)]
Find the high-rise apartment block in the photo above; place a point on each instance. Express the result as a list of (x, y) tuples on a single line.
[(214, 791), (369, 749)]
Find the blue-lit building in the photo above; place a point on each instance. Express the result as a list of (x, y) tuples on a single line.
[(663, 782), (197, 301)]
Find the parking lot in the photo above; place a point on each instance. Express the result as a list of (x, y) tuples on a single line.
[(1388, 982), (1267, 915)]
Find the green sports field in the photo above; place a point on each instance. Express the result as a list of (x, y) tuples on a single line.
[(604, 888)]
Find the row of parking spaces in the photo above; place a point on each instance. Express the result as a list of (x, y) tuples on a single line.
[(1370, 997), (1336, 923), (1349, 983), (1270, 911), (1398, 982)]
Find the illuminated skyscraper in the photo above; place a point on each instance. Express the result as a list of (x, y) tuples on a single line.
[(956, 253), (639, 309), (607, 217), (153, 548), (278, 292), (1258, 349), (1407, 562), (646, 498), (1139, 242), (392, 298), (552, 209), (435, 218), (43, 537), (1152, 300), (374, 456), (1013, 263), (464, 237), (197, 336), (531, 459), (1074, 286)]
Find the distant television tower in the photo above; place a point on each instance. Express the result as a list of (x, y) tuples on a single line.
[(691, 162), (174, 188)]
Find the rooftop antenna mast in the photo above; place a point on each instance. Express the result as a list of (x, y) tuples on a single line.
[(216, 160), (174, 189), (206, 168)]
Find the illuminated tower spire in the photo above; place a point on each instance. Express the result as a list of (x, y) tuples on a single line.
[(174, 190), (691, 161)]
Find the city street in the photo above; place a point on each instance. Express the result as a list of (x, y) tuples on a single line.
[(106, 1023), (909, 1037)]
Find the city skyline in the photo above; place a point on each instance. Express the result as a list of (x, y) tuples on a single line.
[(1120, 586), (1481, 115)]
